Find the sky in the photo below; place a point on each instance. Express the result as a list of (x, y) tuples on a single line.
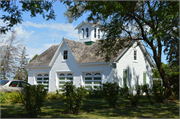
[(38, 35)]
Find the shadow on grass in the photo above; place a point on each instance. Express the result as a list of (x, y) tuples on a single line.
[(97, 108)]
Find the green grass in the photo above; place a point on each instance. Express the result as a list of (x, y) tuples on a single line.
[(97, 108)]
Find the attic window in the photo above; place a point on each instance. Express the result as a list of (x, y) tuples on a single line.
[(94, 32), (135, 55), (87, 32), (65, 54), (82, 33)]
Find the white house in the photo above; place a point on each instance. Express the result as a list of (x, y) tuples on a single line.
[(75, 61)]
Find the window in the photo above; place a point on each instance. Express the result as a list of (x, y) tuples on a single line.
[(94, 32), (65, 54), (65, 77), (24, 84), (82, 33), (14, 84), (87, 35), (124, 78), (98, 33), (135, 55), (144, 78), (43, 79), (92, 80)]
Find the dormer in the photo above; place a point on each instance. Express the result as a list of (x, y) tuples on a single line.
[(89, 32)]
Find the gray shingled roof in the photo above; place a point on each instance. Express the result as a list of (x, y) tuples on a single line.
[(81, 52), (45, 57), (86, 54)]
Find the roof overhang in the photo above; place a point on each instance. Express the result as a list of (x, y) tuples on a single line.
[(44, 66), (83, 22), (95, 63)]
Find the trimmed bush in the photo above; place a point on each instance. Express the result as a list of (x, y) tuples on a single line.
[(148, 91), (110, 92), (73, 97), (159, 93), (128, 94), (33, 98), (94, 93)]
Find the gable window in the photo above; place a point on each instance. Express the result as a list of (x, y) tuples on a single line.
[(135, 55), (82, 33), (65, 54), (98, 33), (94, 32), (87, 35)]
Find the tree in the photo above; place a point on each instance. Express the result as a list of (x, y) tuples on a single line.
[(21, 69), (154, 22), (10, 52), (33, 58), (15, 13)]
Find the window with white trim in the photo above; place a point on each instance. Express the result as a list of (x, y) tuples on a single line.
[(92, 80), (43, 79), (65, 55), (94, 32), (98, 33), (82, 33), (65, 77), (87, 30), (135, 55)]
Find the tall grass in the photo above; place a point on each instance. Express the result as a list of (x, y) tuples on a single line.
[(12, 97)]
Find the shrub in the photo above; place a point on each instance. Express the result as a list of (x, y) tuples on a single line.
[(110, 92), (148, 91), (33, 98), (94, 93), (73, 97), (128, 94), (174, 81), (12, 97), (53, 96), (159, 93)]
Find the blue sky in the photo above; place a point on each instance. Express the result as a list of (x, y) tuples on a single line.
[(38, 34)]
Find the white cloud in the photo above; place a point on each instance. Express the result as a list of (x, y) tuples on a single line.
[(61, 27)]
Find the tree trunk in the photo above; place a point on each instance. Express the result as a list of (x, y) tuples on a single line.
[(166, 83)]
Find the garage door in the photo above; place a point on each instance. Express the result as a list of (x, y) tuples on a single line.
[(65, 77), (92, 80), (43, 79)]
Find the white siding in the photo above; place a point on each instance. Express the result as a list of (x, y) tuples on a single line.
[(72, 66), (135, 69)]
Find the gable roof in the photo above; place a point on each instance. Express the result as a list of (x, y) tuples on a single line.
[(86, 54), (87, 23), (81, 52), (44, 58)]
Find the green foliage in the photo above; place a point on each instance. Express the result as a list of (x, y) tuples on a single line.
[(33, 98), (73, 97), (148, 91), (33, 58), (15, 11), (54, 96), (159, 93), (94, 93), (174, 81), (128, 94), (110, 92), (12, 97)]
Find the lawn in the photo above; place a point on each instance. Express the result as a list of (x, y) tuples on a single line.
[(97, 108)]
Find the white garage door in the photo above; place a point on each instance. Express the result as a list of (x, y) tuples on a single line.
[(43, 79), (92, 80), (65, 77)]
